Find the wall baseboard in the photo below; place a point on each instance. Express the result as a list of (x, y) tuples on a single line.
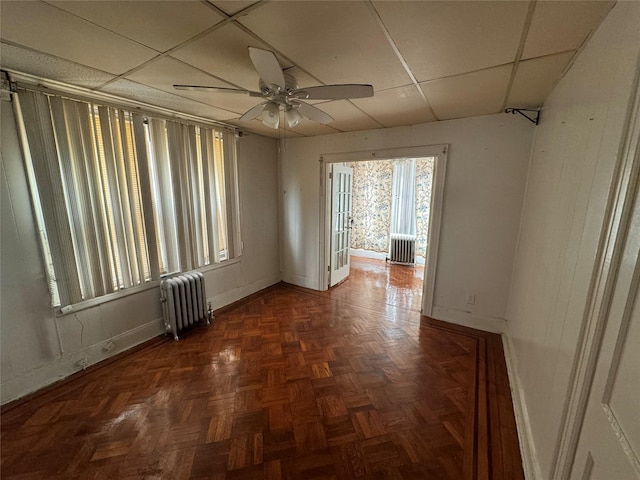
[(467, 319), (52, 372), (525, 436), (358, 252), (302, 281), (58, 369), (231, 297)]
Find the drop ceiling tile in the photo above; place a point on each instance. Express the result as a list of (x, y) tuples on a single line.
[(156, 24), (397, 106), (135, 91), (257, 127), (535, 78), (468, 95), (438, 39), (561, 26), (233, 6), (165, 72), (337, 42), (302, 79), (224, 53), (348, 118), (46, 66), (48, 29), (309, 128)]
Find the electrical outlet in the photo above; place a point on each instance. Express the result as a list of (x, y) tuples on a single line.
[(471, 299), (82, 363), (109, 346)]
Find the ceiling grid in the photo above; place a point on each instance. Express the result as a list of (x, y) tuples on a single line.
[(427, 60), (523, 39), (401, 59)]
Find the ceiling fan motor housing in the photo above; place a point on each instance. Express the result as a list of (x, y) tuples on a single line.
[(289, 81)]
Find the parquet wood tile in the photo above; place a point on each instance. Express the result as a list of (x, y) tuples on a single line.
[(290, 384)]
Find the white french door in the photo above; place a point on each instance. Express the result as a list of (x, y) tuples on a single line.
[(341, 181)]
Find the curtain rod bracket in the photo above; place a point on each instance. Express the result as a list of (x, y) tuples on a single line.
[(521, 111), (6, 84)]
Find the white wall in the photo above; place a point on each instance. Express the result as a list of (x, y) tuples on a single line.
[(32, 353), (573, 158), (487, 164)]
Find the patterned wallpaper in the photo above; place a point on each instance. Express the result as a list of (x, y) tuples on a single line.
[(424, 177), (371, 211)]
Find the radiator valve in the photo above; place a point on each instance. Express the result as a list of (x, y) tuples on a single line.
[(210, 316)]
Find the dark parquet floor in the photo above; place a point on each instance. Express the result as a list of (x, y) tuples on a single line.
[(290, 384)]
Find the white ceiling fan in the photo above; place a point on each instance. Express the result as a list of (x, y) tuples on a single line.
[(280, 91)]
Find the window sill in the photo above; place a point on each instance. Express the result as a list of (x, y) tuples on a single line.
[(216, 266), (94, 302)]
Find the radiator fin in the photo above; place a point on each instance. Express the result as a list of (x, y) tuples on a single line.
[(184, 302), (402, 249)]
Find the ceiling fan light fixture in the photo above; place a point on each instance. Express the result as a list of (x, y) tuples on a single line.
[(271, 115), (280, 88), (292, 116)]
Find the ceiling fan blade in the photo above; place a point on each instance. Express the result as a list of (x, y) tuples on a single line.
[(313, 113), (334, 92), (267, 66), (204, 88), (253, 112)]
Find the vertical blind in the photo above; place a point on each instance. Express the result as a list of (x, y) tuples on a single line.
[(122, 199)]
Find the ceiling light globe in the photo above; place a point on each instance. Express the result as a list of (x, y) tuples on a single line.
[(271, 115), (292, 116)]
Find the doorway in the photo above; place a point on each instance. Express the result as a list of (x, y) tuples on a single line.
[(386, 204), (438, 154)]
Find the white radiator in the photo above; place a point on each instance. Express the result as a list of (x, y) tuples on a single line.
[(184, 302), (402, 249)]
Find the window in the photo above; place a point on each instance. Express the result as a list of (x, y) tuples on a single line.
[(122, 199)]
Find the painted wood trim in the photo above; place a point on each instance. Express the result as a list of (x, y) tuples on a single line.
[(435, 221), (385, 154), (325, 226), (466, 319), (359, 252), (525, 434)]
